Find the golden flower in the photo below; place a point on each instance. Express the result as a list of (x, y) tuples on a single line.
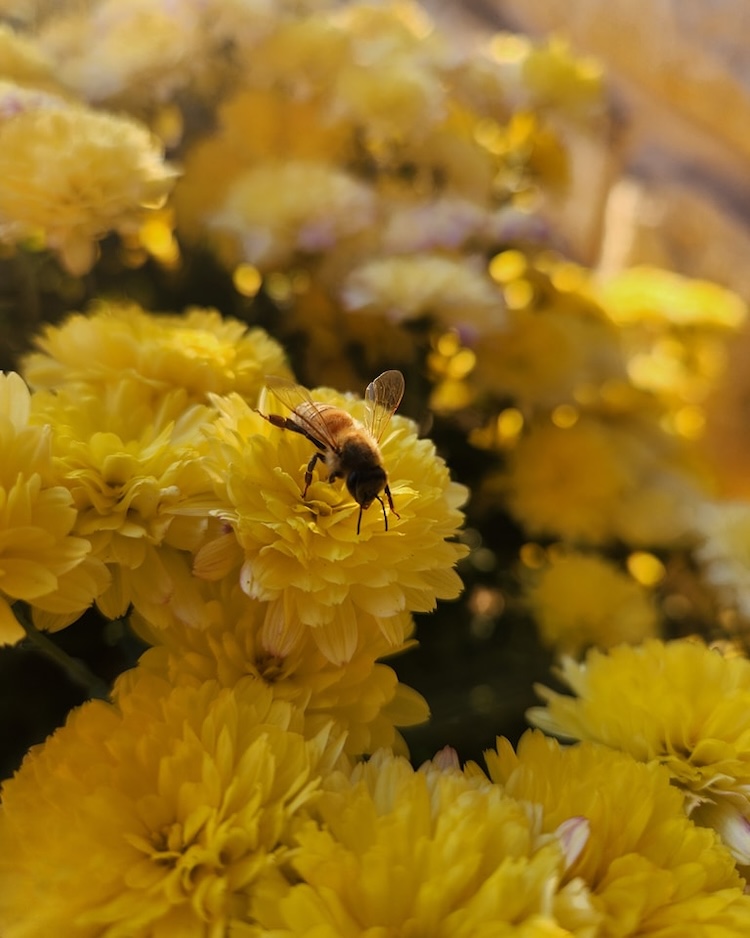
[(74, 175), (678, 704), (594, 482), (42, 562), (276, 209), (198, 351), (649, 868), (127, 465), (237, 636), (723, 551), (307, 551), (578, 600), (160, 815), (392, 851)]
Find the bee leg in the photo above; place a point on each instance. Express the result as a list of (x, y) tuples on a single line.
[(309, 470), (359, 520), (382, 505)]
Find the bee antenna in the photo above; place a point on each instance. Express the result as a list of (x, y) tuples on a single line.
[(359, 520), (382, 505)]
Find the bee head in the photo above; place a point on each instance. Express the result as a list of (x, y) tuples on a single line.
[(366, 484)]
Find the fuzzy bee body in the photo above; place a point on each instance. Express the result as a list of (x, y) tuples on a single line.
[(349, 449)]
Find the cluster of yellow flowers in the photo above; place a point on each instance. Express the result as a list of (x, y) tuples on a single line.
[(350, 180)]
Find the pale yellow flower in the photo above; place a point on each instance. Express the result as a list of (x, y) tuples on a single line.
[(649, 868), (236, 636), (198, 351), (723, 551), (275, 210), (161, 815), (42, 561), (22, 61), (74, 175), (678, 704), (307, 552), (391, 851)]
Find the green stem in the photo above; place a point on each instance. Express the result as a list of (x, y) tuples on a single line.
[(76, 670)]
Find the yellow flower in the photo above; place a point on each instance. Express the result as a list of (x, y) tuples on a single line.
[(723, 551), (237, 636), (650, 869), (578, 600), (74, 175), (678, 704), (392, 851), (42, 562), (594, 482), (22, 61), (307, 552), (160, 815), (276, 209), (128, 464), (198, 351), (453, 290)]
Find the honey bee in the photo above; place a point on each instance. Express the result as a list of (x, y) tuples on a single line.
[(348, 448)]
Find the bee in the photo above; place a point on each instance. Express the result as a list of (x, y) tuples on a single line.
[(349, 449)]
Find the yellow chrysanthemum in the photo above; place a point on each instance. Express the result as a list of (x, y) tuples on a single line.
[(593, 482), (237, 636), (276, 210), (578, 600), (679, 704), (723, 530), (42, 562), (397, 852), (650, 869), (197, 351), (159, 816), (307, 552), (128, 464), (73, 175), (454, 290)]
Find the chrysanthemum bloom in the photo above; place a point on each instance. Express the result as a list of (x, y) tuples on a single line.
[(394, 851), (594, 482), (650, 869), (74, 175), (306, 553), (578, 600), (198, 351), (159, 816), (128, 465), (723, 551), (42, 562), (277, 209), (237, 636), (679, 704)]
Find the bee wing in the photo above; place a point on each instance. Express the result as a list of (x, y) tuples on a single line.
[(303, 408), (382, 397)]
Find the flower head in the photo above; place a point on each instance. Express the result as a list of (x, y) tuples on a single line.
[(579, 600), (198, 351), (678, 704), (42, 561), (433, 852), (307, 551), (650, 869), (237, 636), (175, 805), (74, 175)]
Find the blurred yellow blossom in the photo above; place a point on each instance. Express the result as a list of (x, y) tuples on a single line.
[(73, 175), (183, 798), (396, 851), (237, 636), (578, 600), (722, 530), (198, 351), (42, 561), (649, 868), (679, 704), (22, 61), (127, 464), (308, 552)]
